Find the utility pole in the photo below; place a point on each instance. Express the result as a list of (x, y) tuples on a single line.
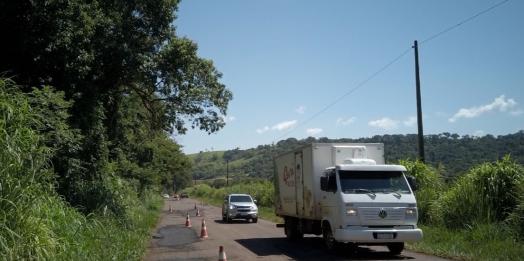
[(227, 173), (419, 109)]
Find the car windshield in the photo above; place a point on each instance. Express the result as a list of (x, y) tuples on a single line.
[(240, 199), (357, 182)]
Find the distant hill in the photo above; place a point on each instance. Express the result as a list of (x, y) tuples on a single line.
[(456, 154)]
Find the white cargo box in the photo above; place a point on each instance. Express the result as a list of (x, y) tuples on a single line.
[(298, 172)]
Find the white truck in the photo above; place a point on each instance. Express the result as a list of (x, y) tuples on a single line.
[(346, 192)]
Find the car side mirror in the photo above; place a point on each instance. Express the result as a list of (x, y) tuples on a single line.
[(323, 183), (254, 200), (412, 183)]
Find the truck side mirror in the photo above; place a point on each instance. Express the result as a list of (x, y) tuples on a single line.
[(323, 183), (254, 200), (412, 183)]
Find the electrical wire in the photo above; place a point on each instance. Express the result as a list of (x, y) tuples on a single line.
[(333, 103), (463, 22), (390, 63)]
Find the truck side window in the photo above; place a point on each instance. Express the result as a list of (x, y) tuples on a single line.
[(332, 182)]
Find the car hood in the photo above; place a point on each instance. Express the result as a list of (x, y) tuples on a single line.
[(242, 204)]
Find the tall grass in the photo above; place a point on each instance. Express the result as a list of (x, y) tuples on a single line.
[(487, 194), (37, 224), (22, 165), (430, 186)]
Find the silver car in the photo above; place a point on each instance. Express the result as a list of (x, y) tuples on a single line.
[(239, 206)]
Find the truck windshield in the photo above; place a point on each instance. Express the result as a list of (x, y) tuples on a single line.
[(240, 199), (358, 182)]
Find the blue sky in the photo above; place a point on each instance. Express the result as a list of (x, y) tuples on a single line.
[(286, 61)]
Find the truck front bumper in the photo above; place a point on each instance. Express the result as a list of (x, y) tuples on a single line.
[(378, 236)]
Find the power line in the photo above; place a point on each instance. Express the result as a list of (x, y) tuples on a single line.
[(390, 63), (329, 106), (463, 22)]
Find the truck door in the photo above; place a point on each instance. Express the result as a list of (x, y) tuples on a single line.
[(299, 183)]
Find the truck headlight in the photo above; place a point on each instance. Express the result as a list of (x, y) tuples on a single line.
[(253, 208), (232, 207), (410, 212), (351, 212)]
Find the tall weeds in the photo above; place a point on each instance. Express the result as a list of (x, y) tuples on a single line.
[(37, 224), (487, 194), (430, 187), (22, 165)]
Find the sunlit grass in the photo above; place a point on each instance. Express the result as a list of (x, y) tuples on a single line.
[(482, 243)]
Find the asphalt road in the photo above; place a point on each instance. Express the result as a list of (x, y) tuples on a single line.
[(242, 240)]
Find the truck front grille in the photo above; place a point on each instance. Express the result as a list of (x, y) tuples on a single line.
[(381, 213)]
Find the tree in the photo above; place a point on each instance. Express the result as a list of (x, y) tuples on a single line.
[(124, 76)]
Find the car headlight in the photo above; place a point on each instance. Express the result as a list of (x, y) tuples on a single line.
[(232, 207), (351, 212), (410, 212), (253, 208)]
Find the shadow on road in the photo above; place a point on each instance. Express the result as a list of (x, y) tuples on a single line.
[(311, 248), (234, 221)]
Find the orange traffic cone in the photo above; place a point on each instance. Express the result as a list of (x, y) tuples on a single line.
[(222, 254), (203, 232), (198, 213), (170, 209), (188, 222)]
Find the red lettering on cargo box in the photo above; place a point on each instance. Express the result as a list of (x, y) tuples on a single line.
[(289, 178)]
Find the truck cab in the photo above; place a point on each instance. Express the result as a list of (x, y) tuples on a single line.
[(363, 203)]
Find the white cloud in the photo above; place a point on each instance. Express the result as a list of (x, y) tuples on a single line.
[(516, 112), (384, 123), (263, 129), (410, 121), (227, 118), (301, 109), (500, 103), (478, 133), (284, 125), (313, 131), (341, 121)]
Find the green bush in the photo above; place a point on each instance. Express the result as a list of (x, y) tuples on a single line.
[(430, 186), (263, 192), (37, 224), (487, 194)]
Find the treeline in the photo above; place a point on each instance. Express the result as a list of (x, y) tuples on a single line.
[(90, 95), (452, 154)]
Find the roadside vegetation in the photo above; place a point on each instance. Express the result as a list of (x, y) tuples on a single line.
[(480, 216), (92, 95)]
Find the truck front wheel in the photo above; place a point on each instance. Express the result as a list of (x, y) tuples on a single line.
[(331, 244), (396, 248)]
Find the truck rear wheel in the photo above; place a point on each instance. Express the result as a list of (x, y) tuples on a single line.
[(396, 248), (291, 230)]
